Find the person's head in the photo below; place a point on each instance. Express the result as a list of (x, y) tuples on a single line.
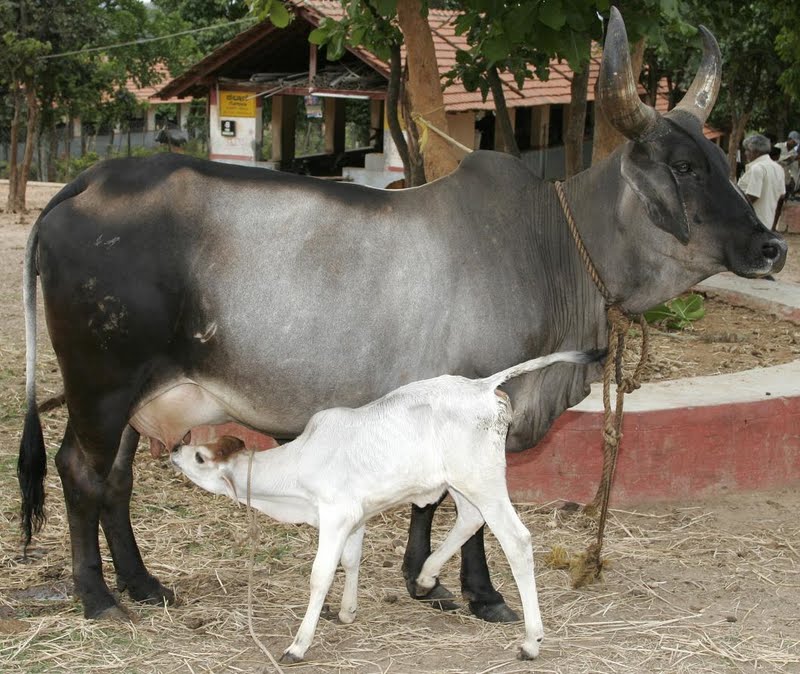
[(755, 146), (774, 153), (793, 139)]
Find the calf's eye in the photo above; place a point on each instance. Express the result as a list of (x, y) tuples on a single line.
[(199, 458)]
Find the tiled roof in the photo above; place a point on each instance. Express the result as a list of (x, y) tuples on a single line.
[(554, 91), (162, 76), (442, 22)]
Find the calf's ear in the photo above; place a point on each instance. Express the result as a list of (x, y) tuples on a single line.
[(226, 446), (656, 187)]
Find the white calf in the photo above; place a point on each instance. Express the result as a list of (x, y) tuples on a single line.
[(446, 433)]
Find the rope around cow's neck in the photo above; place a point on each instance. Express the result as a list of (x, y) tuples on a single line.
[(252, 527), (619, 323)]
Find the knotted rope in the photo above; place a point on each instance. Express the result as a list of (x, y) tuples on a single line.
[(619, 323)]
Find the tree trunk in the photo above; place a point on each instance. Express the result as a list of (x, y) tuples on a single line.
[(738, 126), (393, 111), (606, 137), (425, 88), (504, 139), (13, 152), (576, 122), (31, 142), (416, 164)]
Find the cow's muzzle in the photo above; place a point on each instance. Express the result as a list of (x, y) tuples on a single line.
[(774, 252)]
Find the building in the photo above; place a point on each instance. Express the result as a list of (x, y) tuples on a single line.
[(266, 72)]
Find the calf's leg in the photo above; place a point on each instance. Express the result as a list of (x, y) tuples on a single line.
[(468, 521), (333, 533), (476, 587), (418, 549), (115, 519), (351, 560), (515, 539)]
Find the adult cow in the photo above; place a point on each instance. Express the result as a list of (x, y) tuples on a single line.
[(180, 292)]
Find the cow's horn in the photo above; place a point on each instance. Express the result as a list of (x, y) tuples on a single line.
[(619, 98), (702, 95)]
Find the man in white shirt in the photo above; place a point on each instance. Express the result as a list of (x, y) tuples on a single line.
[(762, 180)]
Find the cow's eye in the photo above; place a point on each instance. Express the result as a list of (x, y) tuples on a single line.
[(199, 458), (682, 167)]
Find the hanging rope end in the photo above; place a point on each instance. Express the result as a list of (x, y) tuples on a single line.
[(587, 567)]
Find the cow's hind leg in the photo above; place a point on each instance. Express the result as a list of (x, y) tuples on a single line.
[(83, 487), (476, 587), (116, 522), (418, 549)]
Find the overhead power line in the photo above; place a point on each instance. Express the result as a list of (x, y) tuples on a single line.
[(144, 40)]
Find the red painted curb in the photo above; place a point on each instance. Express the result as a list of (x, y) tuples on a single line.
[(665, 455)]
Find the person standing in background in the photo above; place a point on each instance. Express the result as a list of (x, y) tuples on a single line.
[(790, 162), (763, 179)]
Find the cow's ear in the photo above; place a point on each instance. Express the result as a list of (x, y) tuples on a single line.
[(657, 189)]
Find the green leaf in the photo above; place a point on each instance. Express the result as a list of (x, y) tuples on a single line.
[(496, 48), (385, 8), (551, 14), (318, 35), (278, 14)]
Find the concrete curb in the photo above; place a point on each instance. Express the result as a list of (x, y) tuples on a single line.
[(683, 439)]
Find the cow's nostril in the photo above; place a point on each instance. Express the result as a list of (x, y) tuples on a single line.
[(770, 251)]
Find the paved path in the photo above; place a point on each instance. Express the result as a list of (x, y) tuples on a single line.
[(781, 298)]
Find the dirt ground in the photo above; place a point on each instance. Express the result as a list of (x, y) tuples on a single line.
[(711, 586)]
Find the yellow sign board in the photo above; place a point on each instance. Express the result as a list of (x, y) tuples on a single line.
[(237, 104)]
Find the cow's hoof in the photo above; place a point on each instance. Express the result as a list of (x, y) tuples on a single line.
[(289, 658), (148, 591), (438, 597), (497, 612), (327, 614), (115, 614)]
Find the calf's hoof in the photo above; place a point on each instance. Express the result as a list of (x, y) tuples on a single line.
[(347, 617), (529, 650), (438, 596), (496, 612), (289, 658)]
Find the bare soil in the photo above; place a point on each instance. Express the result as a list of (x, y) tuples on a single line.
[(710, 586)]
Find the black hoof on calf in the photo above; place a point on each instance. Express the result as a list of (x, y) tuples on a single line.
[(493, 613), (438, 597)]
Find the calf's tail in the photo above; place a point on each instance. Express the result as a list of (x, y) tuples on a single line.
[(577, 357)]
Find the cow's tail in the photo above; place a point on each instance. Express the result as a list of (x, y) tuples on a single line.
[(578, 357), (32, 461)]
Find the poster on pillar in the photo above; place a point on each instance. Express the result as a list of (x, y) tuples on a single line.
[(235, 127), (237, 104)]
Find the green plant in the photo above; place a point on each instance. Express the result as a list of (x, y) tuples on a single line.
[(678, 313)]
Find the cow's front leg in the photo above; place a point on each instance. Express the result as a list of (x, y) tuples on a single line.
[(476, 587), (83, 493), (418, 549), (116, 522)]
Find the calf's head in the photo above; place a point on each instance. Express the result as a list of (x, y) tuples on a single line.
[(676, 179), (210, 466)]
